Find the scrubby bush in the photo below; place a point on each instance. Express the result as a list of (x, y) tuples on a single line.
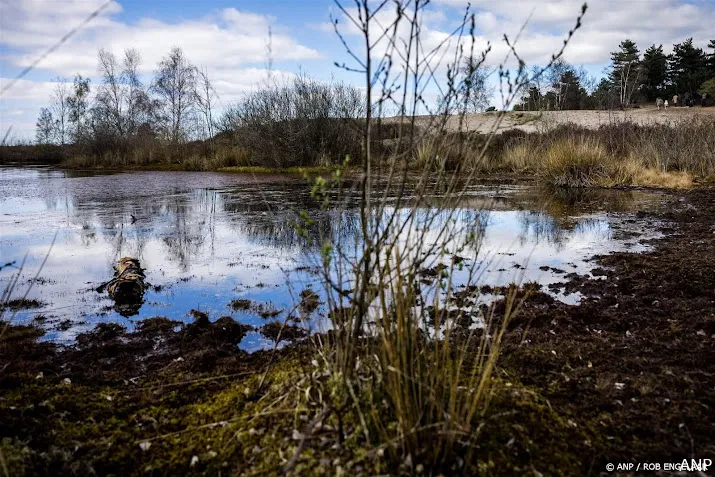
[(298, 123)]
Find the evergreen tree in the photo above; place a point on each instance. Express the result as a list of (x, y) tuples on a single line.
[(711, 59), (655, 72), (604, 96), (532, 100), (569, 91), (626, 71), (687, 67)]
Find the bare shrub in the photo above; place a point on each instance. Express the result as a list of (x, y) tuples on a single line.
[(412, 372), (298, 122)]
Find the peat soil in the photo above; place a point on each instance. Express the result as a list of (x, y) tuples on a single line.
[(635, 360), (628, 375)]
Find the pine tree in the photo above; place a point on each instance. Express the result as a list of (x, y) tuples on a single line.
[(626, 71), (569, 91), (655, 72), (604, 96), (711, 59), (687, 67)]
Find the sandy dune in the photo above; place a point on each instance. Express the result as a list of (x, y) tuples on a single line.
[(539, 121)]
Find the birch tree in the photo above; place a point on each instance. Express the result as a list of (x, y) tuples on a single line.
[(175, 85), (45, 132), (110, 99), (60, 110), (78, 105), (205, 101)]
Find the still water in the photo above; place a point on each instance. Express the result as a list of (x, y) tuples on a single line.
[(206, 239)]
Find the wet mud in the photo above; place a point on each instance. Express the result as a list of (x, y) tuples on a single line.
[(635, 360)]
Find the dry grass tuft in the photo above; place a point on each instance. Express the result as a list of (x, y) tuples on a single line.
[(575, 162), (518, 157)]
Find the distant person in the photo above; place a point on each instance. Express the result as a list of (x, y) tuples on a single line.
[(659, 103), (666, 104), (675, 100)]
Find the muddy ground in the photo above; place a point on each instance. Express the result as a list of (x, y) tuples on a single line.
[(635, 360), (626, 376)]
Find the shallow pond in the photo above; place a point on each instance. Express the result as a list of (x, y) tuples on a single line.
[(206, 239)]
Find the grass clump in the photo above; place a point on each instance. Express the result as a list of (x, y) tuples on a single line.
[(571, 157), (241, 304), (585, 162), (575, 162), (632, 171), (517, 157)]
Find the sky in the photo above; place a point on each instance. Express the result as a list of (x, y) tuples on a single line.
[(229, 39)]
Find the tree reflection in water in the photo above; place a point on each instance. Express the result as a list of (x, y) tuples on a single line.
[(207, 225)]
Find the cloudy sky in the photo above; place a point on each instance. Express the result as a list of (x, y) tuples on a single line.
[(229, 38)]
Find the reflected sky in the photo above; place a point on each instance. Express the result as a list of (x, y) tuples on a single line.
[(206, 239)]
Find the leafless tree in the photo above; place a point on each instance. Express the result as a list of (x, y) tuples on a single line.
[(111, 94), (45, 132), (295, 122), (587, 80), (60, 109), (476, 89), (175, 84), (78, 106), (629, 76), (205, 102), (139, 105), (121, 103)]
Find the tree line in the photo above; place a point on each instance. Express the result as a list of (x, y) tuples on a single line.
[(631, 78), (177, 105), (282, 123)]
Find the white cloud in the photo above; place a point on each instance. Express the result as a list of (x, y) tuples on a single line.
[(227, 39), (605, 25), (27, 90), (231, 44)]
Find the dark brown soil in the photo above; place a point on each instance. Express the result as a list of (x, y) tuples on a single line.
[(635, 361)]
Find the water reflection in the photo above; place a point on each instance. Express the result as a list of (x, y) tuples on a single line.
[(207, 239)]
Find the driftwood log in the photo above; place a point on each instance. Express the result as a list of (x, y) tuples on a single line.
[(127, 287)]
